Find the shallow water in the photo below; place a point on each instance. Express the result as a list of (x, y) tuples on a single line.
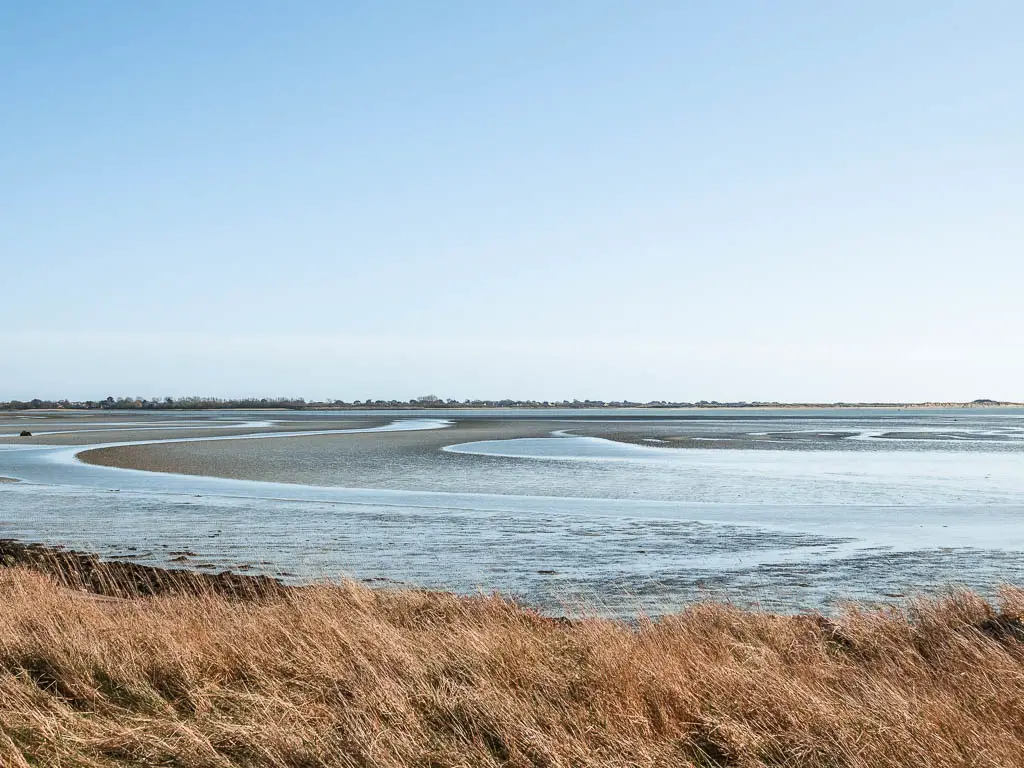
[(784, 509)]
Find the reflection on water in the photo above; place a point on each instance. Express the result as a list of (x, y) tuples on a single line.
[(605, 510)]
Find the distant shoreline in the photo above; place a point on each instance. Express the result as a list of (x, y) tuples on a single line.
[(442, 405)]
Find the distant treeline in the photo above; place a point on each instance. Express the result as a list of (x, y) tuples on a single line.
[(300, 403), (427, 401), (156, 404)]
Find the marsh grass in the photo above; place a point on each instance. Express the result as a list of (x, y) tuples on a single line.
[(345, 675)]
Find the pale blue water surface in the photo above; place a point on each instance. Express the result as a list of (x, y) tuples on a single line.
[(611, 511)]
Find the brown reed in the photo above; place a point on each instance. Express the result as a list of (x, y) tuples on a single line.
[(344, 675)]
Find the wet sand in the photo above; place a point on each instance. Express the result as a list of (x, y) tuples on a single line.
[(106, 430), (380, 459), (642, 531), (414, 460), (667, 437)]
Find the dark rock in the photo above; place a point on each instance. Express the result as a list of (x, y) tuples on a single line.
[(125, 579), (25, 433)]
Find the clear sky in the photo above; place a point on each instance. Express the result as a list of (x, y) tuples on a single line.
[(656, 200)]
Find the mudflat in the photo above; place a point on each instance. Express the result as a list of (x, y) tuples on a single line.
[(412, 459), (839, 504), (91, 430)]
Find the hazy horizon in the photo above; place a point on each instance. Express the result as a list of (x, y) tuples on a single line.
[(180, 398), (791, 203)]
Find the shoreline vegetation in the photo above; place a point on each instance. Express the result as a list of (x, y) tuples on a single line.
[(104, 664), (432, 401)]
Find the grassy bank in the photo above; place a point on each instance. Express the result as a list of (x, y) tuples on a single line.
[(349, 676)]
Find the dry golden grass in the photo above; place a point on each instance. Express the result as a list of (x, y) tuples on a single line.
[(348, 676)]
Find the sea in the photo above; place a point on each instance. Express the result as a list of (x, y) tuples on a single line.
[(609, 512)]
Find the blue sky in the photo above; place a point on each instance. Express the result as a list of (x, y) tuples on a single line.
[(744, 200)]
